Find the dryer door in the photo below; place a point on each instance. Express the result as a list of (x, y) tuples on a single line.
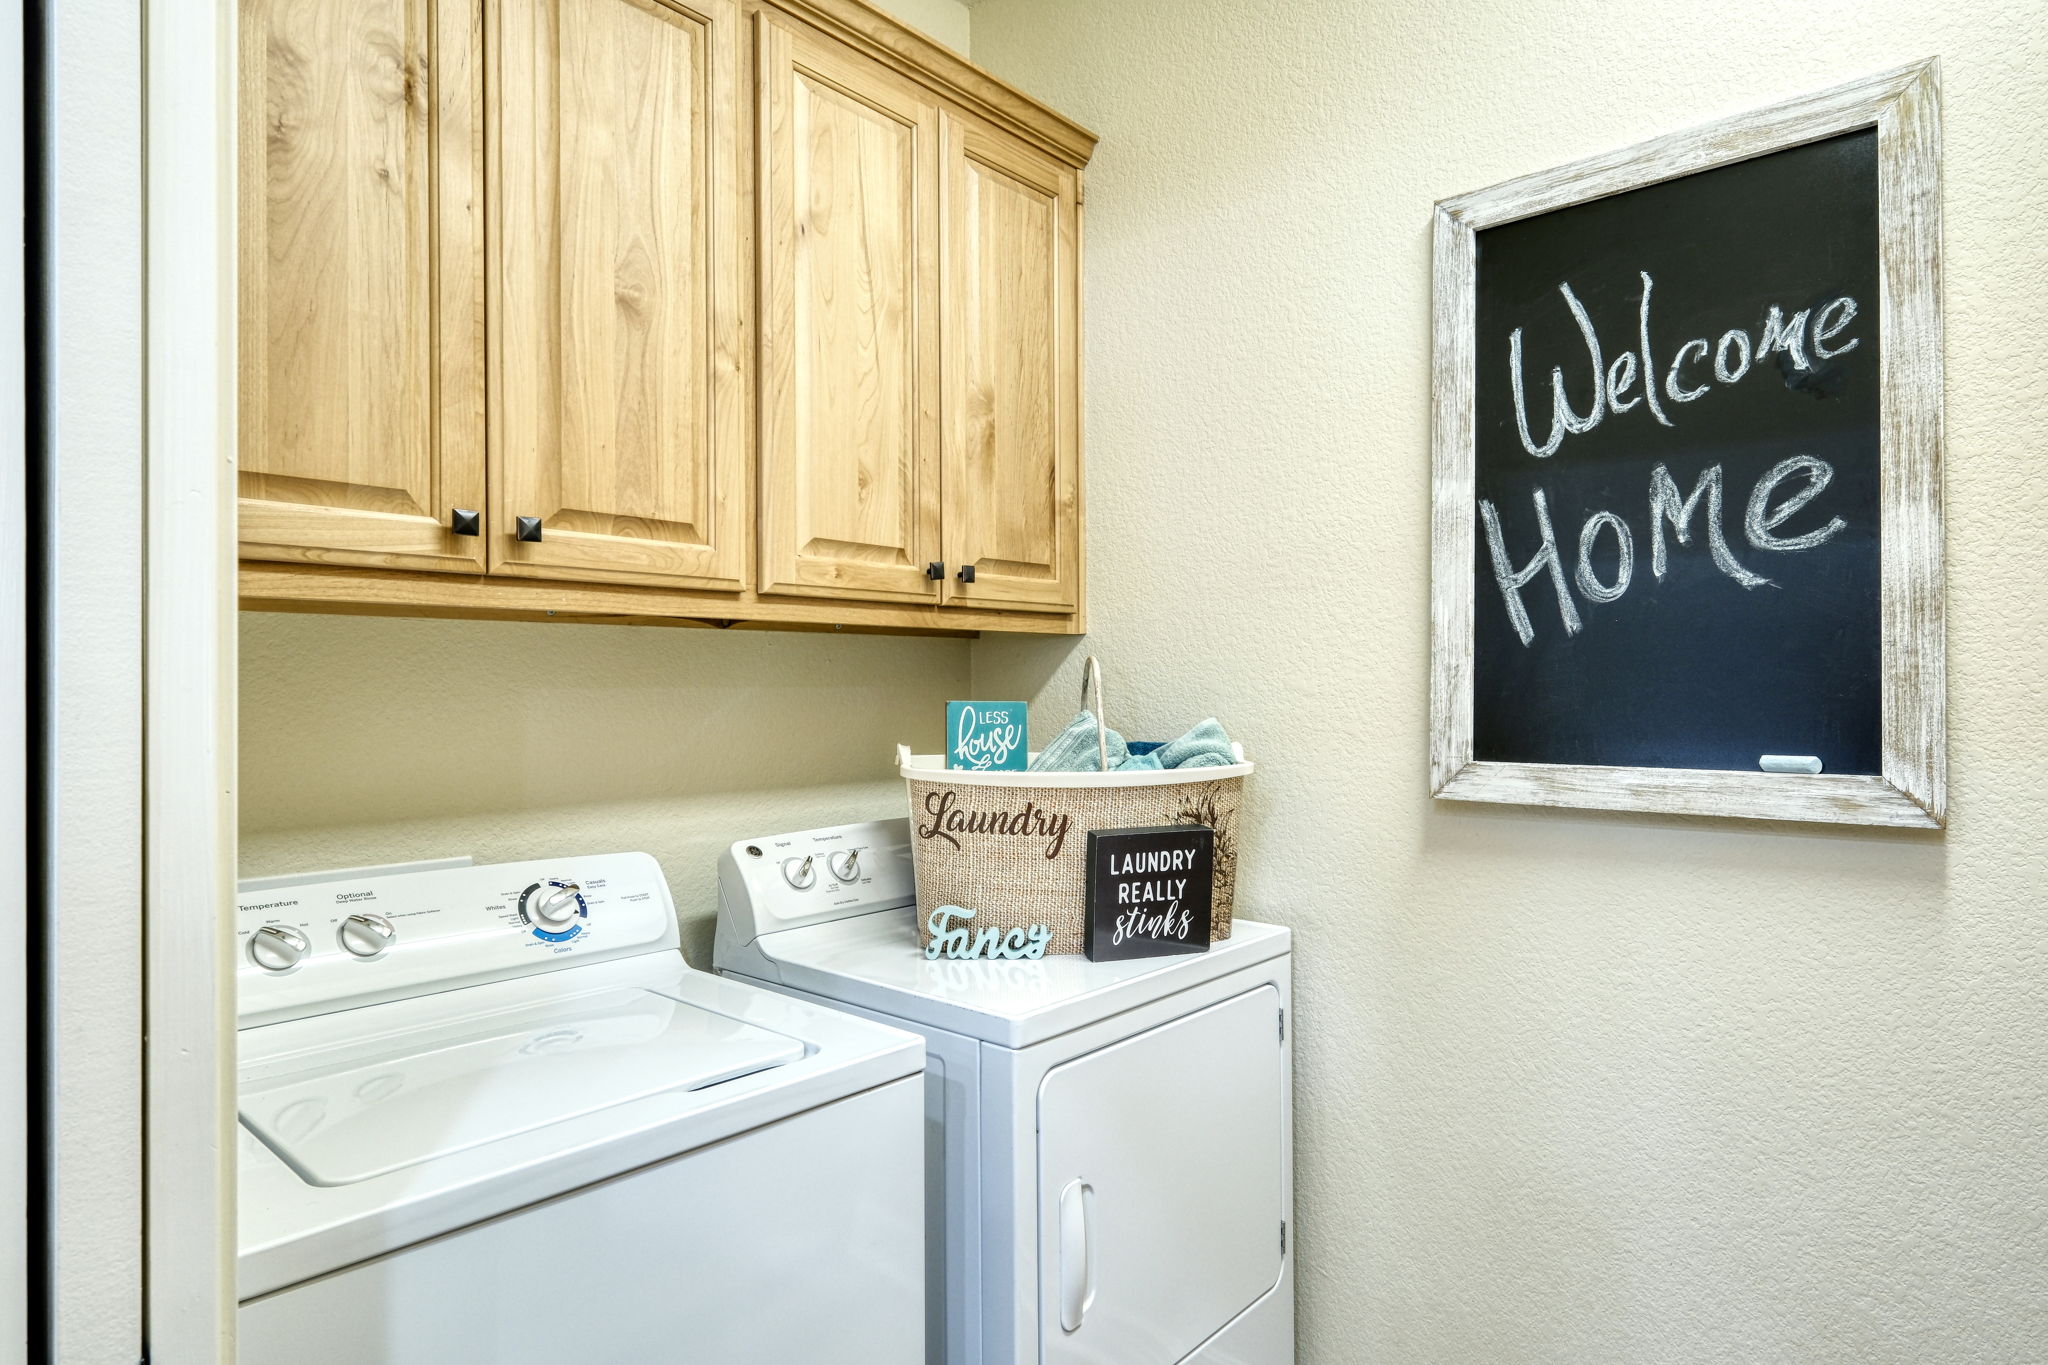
[(1160, 1186)]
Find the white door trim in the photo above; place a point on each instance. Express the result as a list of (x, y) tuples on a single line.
[(137, 725), (89, 723), (189, 717), (15, 1109)]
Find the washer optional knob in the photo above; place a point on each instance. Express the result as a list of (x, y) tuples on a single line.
[(278, 947), (845, 866), (365, 935), (801, 873)]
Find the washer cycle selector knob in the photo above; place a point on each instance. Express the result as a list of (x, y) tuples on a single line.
[(558, 907), (845, 866), (554, 910), (278, 947), (800, 873), (366, 935)]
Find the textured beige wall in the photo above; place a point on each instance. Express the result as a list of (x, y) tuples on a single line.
[(944, 20), (367, 740), (1571, 1088)]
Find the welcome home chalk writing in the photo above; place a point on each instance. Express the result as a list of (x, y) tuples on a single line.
[(1632, 380)]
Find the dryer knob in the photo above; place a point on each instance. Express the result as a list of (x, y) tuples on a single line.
[(366, 935), (801, 873), (845, 866), (278, 947)]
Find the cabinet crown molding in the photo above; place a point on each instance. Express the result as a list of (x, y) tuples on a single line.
[(888, 40)]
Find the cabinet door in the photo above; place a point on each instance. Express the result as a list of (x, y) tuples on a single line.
[(1012, 373), (849, 261), (619, 382), (361, 259), (1161, 1186)]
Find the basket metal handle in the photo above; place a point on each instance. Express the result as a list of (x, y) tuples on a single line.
[(1091, 675)]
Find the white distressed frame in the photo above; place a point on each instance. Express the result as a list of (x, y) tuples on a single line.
[(1912, 790)]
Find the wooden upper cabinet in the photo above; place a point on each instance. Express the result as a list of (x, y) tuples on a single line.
[(745, 310), (618, 378), (1011, 386), (848, 255), (361, 314)]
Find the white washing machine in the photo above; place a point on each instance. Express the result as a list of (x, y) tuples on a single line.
[(490, 1114), (1110, 1168)]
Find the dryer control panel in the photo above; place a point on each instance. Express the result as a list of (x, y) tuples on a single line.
[(786, 881), (363, 938)]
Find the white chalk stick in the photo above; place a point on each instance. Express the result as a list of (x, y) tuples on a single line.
[(1789, 763)]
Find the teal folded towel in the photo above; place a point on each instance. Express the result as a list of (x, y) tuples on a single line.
[(1204, 746), (1073, 750)]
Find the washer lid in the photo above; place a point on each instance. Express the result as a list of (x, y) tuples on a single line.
[(337, 1113), (874, 961)]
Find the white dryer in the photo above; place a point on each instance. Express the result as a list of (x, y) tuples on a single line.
[(490, 1114), (1110, 1170)]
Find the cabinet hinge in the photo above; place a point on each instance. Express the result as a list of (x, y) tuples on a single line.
[(1283, 1236)]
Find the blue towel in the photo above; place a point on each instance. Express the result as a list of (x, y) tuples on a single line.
[(1073, 750), (1205, 746)]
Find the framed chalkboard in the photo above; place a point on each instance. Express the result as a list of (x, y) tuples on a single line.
[(1687, 525)]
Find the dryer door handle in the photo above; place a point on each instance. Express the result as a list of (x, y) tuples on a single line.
[(1077, 1253)]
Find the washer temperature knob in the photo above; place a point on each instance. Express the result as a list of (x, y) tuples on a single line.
[(845, 866), (366, 935), (278, 947)]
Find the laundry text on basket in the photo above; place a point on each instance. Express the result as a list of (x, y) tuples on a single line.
[(949, 818)]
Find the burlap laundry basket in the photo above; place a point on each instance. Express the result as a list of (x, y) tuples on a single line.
[(1013, 846)]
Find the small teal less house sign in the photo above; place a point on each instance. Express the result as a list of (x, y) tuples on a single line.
[(987, 736)]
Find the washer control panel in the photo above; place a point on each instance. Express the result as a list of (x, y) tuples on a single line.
[(324, 945)]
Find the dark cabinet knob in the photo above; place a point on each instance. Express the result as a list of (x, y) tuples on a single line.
[(464, 522), (966, 574), (529, 528), (935, 570)]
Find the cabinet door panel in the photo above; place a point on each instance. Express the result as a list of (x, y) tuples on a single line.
[(849, 323), (619, 388), (1011, 385), (361, 320)]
